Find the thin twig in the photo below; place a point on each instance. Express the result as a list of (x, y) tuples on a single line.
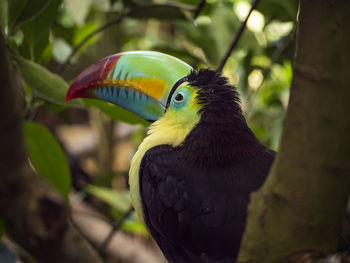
[(199, 8), (119, 19), (237, 37), (114, 230), (10, 49), (81, 232)]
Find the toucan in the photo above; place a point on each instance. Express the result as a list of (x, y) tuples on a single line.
[(192, 176)]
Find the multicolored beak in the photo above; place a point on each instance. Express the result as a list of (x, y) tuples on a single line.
[(139, 81)]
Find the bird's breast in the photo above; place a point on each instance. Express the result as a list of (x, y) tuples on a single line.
[(161, 132)]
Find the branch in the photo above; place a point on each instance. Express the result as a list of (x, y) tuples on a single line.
[(199, 8), (300, 208), (35, 216), (114, 230), (119, 19), (123, 247), (237, 37)]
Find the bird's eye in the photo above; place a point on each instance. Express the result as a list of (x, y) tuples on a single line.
[(179, 98)]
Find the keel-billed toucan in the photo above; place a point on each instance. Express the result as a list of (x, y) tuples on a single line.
[(192, 176)]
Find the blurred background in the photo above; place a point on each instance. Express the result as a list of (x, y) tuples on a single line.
[(84, 149)]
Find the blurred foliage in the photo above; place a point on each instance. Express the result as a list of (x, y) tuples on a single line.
[(48, 157), (42, 36), (118, 201)]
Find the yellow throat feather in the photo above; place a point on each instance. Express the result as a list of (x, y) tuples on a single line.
[(171, 129)]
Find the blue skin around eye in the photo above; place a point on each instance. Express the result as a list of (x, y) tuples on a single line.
[(183, 103), (132, 100)]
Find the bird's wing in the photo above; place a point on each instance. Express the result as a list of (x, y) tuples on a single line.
[(196, 214)]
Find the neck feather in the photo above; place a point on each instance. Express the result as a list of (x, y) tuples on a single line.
[(222, 136)]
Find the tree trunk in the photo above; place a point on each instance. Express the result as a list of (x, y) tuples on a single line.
[(301, 206), (35, 216)]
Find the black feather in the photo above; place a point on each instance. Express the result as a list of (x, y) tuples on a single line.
[(214, 91), (198, 214), (222, 135)]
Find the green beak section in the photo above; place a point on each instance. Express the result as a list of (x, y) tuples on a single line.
[(139, 81)]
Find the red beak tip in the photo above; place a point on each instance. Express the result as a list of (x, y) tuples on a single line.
[(67, 98), (69, 95)]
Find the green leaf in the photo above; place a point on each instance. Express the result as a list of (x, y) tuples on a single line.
[(32, 46), (116, 199), (115, 112), (160, 13), (48, 85), (15, 8), (3, 15), (48, 157), (135, 227), (279, 10), (21, 11), (37, 31)]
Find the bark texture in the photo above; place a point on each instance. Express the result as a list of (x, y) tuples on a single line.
[(300, 208), (35, 216)]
